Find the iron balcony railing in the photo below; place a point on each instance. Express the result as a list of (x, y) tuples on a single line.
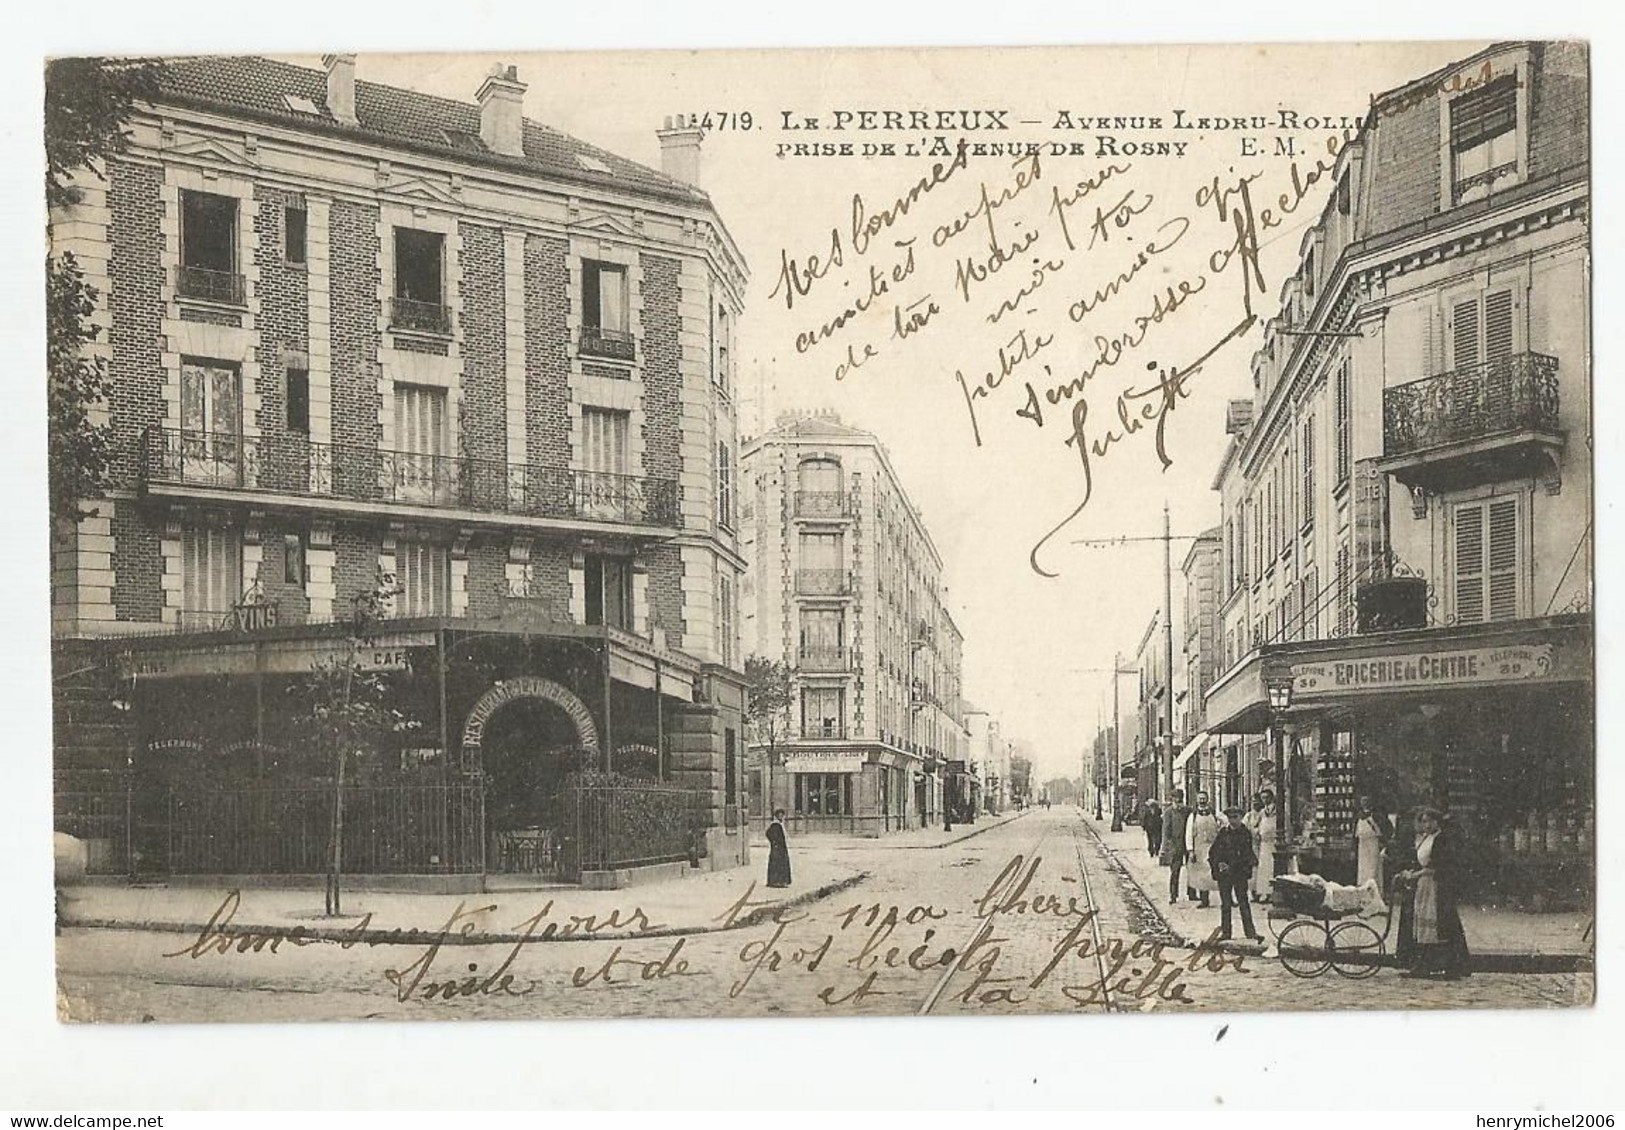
[(209, 286), (419, 317), (1473, 402), (823, 582), (827, 730), (292, 464), (821, 504), (824, 659), (601, 342)]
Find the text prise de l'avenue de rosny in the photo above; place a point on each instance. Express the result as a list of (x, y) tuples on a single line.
[(859, 953), (989, 132), (1049, 278)]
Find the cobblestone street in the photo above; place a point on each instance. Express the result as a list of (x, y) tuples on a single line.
[(1025, 917)]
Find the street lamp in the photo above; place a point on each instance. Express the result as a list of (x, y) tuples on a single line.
[(1279, 692)]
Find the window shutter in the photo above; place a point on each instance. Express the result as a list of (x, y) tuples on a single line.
[(1344, 596), (1309, 469), (1470, 564), (1503, 558), (1464, 332), (1498, 326)]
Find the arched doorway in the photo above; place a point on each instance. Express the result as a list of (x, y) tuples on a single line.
[(527, 734)]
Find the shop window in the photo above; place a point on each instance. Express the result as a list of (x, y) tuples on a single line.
[(609, 591), (824, 794), (1488, 560), (297, 397), (293, 235), (423, 578), (1484, 137)]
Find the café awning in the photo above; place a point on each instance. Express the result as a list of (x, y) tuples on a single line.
[(1190, 750)]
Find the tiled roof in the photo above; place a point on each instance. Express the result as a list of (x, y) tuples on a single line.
[(392, 115)]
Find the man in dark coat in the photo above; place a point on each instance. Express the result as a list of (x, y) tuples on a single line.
[(1151, 820), (1174, 847), (778, 852), (1233, 860)]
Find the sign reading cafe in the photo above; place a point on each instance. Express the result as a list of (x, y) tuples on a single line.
[(1431, 669)]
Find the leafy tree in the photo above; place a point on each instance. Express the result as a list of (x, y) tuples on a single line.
[(769, 694), (87, 105)]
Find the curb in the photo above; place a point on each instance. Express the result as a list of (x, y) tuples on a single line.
[(416, 937), (1478, 963)]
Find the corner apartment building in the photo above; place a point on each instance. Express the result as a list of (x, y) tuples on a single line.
[(846, 587), (361, 340), (1407, 499)]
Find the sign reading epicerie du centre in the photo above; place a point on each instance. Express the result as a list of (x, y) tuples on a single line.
[(1404, 671)]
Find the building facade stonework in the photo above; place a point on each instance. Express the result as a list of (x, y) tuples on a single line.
[(364, 340)]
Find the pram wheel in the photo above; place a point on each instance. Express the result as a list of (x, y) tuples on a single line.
[(1306, 948), (1356, 950)]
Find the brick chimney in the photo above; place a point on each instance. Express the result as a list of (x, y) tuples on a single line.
[(341, 87), (502, 114), (680, 150)]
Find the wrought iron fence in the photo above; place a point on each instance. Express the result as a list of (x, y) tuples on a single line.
[(619, 823), (296, 465), (823, 582), (288, 830), (1471, 402), (821, 504), (103, 821), (601, 342), (209, 286), (420, 317)]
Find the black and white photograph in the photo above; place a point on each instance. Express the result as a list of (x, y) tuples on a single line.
[(821, 533)]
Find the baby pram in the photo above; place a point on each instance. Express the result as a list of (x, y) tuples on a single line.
[(1303, 911)]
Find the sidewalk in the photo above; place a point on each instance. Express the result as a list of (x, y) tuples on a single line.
[(1498, 938), (699, 902), (914, 838)]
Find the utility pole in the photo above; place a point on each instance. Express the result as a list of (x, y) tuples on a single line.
[(1117, 743)]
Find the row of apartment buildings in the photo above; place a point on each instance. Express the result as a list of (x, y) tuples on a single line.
[(369, 346), (845, 588), (1396, 599)]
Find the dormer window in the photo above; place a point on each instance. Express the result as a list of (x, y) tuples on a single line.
[(1484, 138)]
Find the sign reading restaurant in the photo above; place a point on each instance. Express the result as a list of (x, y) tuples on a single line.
[(1429, 669)]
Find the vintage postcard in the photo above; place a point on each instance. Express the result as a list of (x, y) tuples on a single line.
[(822, 533)]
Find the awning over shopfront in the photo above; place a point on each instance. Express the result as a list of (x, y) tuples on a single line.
[(1192, 748)]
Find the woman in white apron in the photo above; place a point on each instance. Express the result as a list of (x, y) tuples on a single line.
[(1371, 836), (1200, 831)]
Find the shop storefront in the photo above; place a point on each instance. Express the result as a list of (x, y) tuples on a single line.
[(1494, 723), (852, 789)]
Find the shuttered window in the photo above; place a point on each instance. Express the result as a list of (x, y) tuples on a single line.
[(604, 436), (211, 569), (422, 576), (1308, 458), (1487, 560), (1345, 442), (1481, 329), (1345, 593)]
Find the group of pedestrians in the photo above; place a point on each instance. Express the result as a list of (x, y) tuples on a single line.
[(1232, 853)]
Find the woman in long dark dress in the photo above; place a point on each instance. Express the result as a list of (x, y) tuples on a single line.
[(1431, 939), (778, 852)]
